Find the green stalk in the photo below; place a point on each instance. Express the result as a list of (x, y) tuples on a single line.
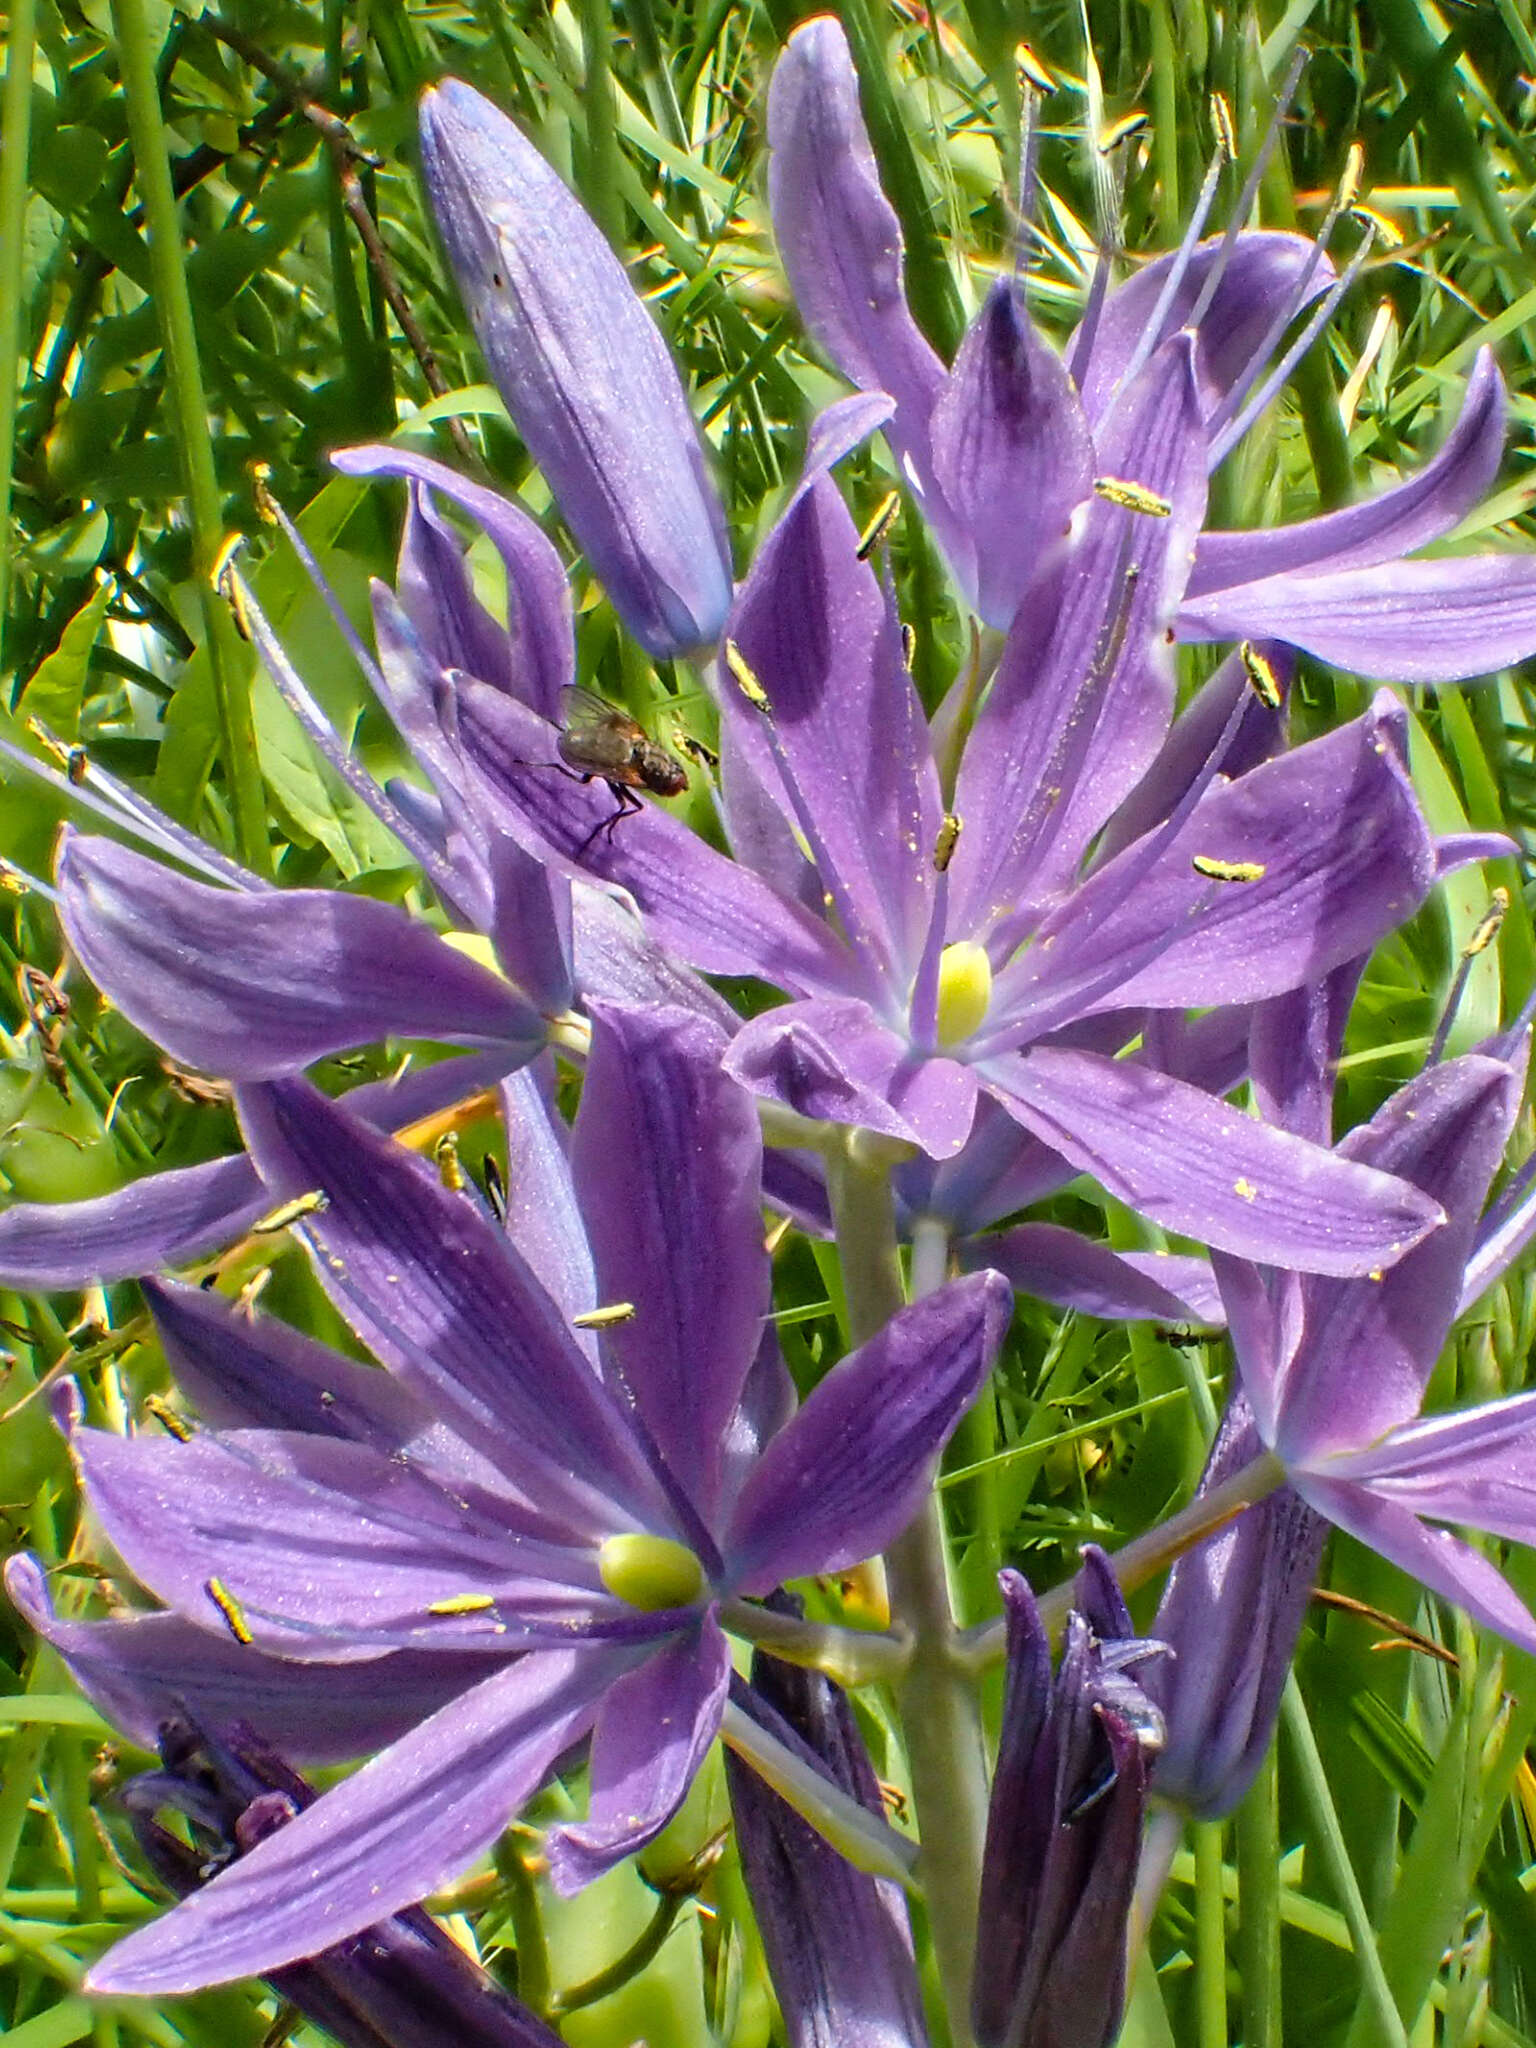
[(15, 132), (1210, 1936), (938, 1700), (600, 158), (1258, 1905), (173, 304)]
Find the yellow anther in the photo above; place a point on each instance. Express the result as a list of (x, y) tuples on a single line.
[(261, 473), (1115, 132), (604, 1318), (445, 1155), (1246, 1190), (1488, 930), (1353, 174), (745, 680), (879, 526), (229, 1607), (1119, 490), (1032, 71), (650, 1572), (948, 839), (461, 1603), (1263, 679), (965, 990), (1228, 870), (1226, 130), (289, 1212), (168, 1419)]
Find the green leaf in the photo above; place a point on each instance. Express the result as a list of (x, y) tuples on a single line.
[(55, 691)]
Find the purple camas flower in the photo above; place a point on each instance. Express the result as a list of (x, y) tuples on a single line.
[(401, 1983), (1331, 1380), (584, 372), (1064, 1825), (517, 1538)]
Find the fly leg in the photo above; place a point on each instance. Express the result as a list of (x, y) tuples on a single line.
[(628, 805)]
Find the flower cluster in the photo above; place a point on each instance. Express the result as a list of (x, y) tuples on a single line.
[(1047, 931)]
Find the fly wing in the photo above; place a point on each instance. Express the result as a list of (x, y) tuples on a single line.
[(597, 738)]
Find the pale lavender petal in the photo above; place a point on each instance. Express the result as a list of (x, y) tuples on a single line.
[(1386, 527), (401, 1826), (667, 1159), (716, 915), (1197, 1166), (166, 1219), (1344, 855), (543, 1221), (1011, 452), (1060, 1266), (846, 1474), (840, 240), (1503, 1236), (652, 1734), (1445, 1132), (615, 959), (821, 638), (437, 1292), (437, 595), (1436, 1558), (585, 374), (540, 657), (999, 1170), (140, 1671), (251, 985), (1261, 278), (1084, 694), (1293, 1051), (1440, 621), (833, 1061), (1475, 1466)]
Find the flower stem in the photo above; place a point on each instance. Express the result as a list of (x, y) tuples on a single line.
[(851, 1656), (940, 1711), (173, 303), (849, 1826), (15, 129), (1145, 1556)]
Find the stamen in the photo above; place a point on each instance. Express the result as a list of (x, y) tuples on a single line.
[(1121, 131), (946, 842), (462, 1603), (230, 1608), (1216, 870), (746, 681), (168, 1419), (295, 694), (1482, 938), (1245, 197), (879, 526), (1226, 130), (604, 1318), (1033, 74), (445, 1156), (1134, 497), (287, 1213), (1223, 444), (1262, 677)]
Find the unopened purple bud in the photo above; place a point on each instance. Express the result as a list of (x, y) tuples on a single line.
[(1064, 1826), (400, 1984), (1231, 1613), (584, 372)]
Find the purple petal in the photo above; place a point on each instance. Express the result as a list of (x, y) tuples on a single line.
[(846, 1474), (1344, 855), (251, 985), (1232, 1614), (321, 1542), (438, 1294), (543, 1221), (140, 1672), (1445, 1132), (1084, 694), (1011, 452), (1294, 1046), (1436, 1558), (667, 1159), (437, 595), (840, 239), (1261, 278), (1059, 1266), (833, 1061), (1385, 527), (999, 1170), (583, 370), (817, 631), (383, 1838), (1440, 621), (164, 1220), (1199, 1167), (838, 1943), (615, 960), (716, 915), (539, 653), (652, 1734), (1475, 1466)]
